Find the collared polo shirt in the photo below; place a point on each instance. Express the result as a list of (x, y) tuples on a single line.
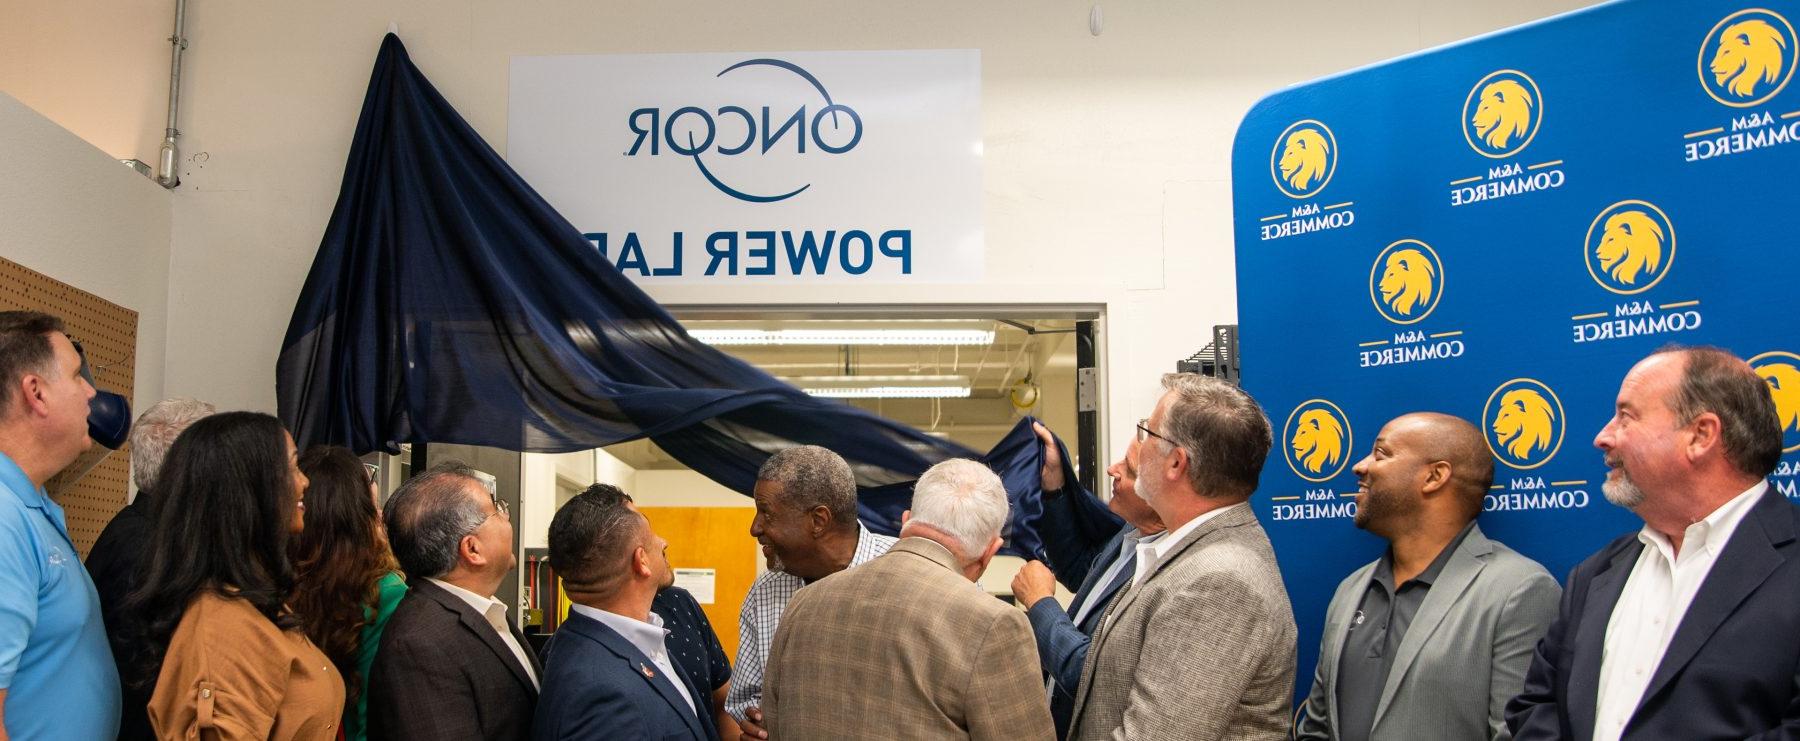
[(1374, 634), (55, 664)]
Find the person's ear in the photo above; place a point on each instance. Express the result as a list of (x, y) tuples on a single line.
[(468, 550), (1706, 431), (819, 520), (640, 562), (1437, 475), (904, 516)]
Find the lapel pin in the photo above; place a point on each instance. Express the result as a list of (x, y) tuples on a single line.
[(645, 668)]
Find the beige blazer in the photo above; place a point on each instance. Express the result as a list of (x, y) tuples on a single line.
[(903, 647), (1203, 648), (231, 674)]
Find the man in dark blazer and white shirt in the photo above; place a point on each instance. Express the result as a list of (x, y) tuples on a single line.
[(1201, 644), (1689, 628), (451, 664), (1063, 635), (610, 674), (1432, 639)]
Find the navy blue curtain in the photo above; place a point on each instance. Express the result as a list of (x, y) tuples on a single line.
[(450, 303)]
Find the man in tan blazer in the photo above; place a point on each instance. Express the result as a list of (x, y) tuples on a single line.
[(906, 645), (1201, 644)]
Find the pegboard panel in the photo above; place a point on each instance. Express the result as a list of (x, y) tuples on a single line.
[(108, 333)]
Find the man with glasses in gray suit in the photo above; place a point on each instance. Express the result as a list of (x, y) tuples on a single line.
[(1432, 639), (1200, 644)]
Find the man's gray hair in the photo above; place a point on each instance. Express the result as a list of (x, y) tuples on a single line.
[(1224, 431), (811, 476), (964, 500), (155, 430), (428, 516)]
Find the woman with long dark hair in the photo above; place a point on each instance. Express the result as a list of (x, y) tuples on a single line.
[(349, 581), (212, 628)]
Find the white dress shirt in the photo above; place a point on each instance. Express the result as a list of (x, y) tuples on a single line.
[(1657, 594), (495, 612), (1152, 552), (1126, 544), (650, 638)]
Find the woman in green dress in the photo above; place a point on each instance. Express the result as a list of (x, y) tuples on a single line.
[(348, 581)]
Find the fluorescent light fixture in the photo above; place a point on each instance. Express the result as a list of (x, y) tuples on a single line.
[(844, 337), (890, 392)]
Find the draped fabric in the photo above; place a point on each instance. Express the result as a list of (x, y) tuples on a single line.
[(450, 303)]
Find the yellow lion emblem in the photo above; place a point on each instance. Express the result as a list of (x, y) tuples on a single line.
[(1750, 53), (1505, 112), (1318, 440), (1525, 424), (1631, 244), (1784, 385), (1407, 282), (1304, 158)]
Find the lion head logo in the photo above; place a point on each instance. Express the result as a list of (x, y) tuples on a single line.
[(1750, 53), (1630, 245), (1526, 423), (1318, 440), (1504, 113), (1784, 386), (1408, 281), (1304, 158)]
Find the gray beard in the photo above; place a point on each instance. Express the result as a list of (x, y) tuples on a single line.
[(1622, 492)]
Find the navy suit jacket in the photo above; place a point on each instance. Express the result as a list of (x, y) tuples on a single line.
[(1732, 669), (1063, 644), (598, 685)]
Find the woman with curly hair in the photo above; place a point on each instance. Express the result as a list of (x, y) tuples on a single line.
[(350, 583), (211, 626)]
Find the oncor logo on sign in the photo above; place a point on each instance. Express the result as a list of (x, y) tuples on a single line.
[(833, 129)]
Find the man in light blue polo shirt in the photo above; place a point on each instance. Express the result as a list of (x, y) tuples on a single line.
[(57, 678)]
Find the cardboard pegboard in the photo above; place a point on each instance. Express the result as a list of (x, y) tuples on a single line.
[(108, 333)]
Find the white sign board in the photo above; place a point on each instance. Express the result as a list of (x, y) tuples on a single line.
[(760, 167), (699, 582)]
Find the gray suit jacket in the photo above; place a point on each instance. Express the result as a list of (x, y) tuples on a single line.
[(1463, 657), (1203, 648)]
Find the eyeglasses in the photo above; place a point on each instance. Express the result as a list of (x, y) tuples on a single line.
[(1144, 432), (501, 509)]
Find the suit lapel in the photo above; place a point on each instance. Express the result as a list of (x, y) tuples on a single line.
[(477, 623), (1459, 572), (1747, 560), (1590, 638), (640, 666), (1108, 554), (1132, 588), (1337, 624)]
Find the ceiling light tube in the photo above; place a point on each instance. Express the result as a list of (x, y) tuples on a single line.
[(891, 392), (844, 337)]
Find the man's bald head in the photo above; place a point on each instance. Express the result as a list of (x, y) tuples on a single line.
[(1458, 442)]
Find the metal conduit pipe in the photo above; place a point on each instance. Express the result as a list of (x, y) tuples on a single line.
[(166, 176)]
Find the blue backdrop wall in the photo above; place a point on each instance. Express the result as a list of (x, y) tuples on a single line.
[(1498, 229)]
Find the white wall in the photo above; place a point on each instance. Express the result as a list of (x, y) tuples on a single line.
[(1107, 158), (74, 213)]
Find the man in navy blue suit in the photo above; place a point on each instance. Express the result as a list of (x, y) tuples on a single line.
[(610, 674), (1689, 628), (1063, 637)]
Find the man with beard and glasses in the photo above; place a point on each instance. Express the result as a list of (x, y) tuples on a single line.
[(1688, 628), (1432, 639), (610, 674), (806, 523)]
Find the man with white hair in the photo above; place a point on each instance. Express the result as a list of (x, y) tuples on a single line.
[(116, 555), (907, 646)]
